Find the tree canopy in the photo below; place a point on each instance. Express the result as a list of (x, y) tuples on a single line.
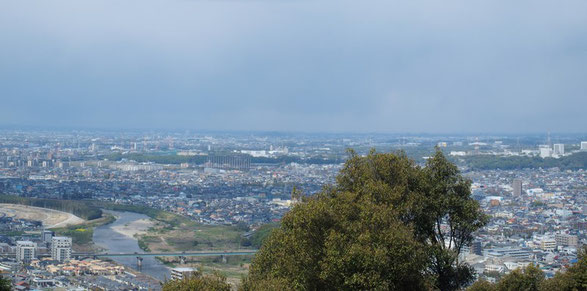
[(198, 282), (531, 278), (387, 224), (5, 284), (575, 161)]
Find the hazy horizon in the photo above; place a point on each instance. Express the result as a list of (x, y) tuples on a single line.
[(306, 66), (196, 131)]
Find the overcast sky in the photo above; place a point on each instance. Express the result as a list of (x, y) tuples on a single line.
[(296, 65)]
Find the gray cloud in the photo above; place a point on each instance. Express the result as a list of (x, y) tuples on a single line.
[(423, 66)]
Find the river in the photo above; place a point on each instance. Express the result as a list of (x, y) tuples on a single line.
[(111, 238)]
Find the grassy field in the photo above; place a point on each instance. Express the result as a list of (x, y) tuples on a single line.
[(173, 232), (190, 236)]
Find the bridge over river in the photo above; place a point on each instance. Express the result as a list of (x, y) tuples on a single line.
[(181, 255), (169, 254), (139, 256)]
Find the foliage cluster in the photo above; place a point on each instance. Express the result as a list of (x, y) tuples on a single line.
[(4, 283), (575, 161), (262, 233), (198, 281), (82, 234), (531, 278), (388, 224)]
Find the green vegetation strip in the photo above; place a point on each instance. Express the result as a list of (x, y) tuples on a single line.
[(172, 219), (83, 233), (575, 161)]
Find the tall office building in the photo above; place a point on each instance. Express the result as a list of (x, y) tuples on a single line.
[(517, 187), (61, 248), (26, 251), (584, 145), (559, 149)]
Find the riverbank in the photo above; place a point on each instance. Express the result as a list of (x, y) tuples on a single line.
[(82, 234), (49, 217), (134, 228), (120, 236), (80, 208)]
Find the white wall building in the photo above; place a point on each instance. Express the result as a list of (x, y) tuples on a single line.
[(548, 244), (494, 268), (535, 191), (545, 151), (566, 240), (61, 248), (181, 273), (559, 149), (255, 154), (26, 251)]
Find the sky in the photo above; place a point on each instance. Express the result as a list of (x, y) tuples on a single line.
[(497, 66)]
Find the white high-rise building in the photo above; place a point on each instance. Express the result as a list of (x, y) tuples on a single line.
[(584, 145), (61, 248), (545, 151), (26, 251), (559, 149)]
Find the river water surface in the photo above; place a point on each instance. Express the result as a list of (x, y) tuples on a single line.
[(114, 241)]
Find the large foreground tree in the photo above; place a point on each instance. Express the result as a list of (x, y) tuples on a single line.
[(388, 224)]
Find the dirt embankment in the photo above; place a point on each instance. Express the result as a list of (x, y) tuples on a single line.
[(49, 217)]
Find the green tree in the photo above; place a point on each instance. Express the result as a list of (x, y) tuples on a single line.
[(450, 218), (531, 278), (5, 284), (527, 279), (198, 282), (265, 284), (560, 282), (388, 224), (578, 271), (262, 233), (574, 279), (482, 285)]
